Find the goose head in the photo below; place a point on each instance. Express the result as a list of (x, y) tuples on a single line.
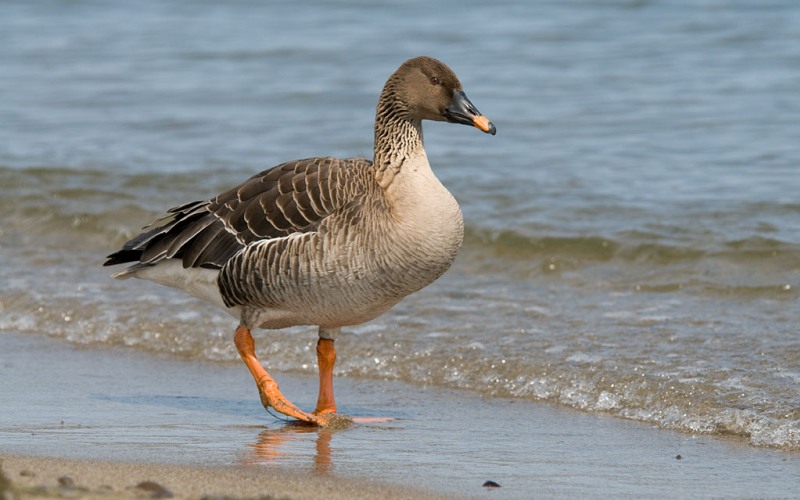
[(427, 89)]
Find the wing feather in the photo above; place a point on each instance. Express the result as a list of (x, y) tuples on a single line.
[(293, 197)]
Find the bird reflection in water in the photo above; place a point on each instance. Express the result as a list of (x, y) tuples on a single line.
[(286, 444)]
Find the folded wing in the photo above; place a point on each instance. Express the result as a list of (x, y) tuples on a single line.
[(293, 197)]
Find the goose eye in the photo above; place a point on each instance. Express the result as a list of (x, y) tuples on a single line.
[(435, 80)]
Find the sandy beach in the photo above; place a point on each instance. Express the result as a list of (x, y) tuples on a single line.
[(38, 477), (112, 418)]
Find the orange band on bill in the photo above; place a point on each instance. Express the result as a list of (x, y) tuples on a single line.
[(482, 123)]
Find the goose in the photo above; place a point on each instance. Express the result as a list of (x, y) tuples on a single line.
[(321, 241)]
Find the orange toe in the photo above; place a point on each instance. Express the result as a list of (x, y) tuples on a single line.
[(271, 397), (372, 420)]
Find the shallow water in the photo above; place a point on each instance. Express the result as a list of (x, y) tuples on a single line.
[(632, 231)]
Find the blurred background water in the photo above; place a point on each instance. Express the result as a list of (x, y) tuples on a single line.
[(632, 237)]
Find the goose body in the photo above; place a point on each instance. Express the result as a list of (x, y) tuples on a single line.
[(320, 241)]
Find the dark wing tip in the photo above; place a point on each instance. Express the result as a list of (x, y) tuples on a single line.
[(122, 257)]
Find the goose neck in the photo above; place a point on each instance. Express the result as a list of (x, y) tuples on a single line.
[(398, 137)]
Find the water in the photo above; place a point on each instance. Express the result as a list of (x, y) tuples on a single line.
[(632, 231), (86, 413)]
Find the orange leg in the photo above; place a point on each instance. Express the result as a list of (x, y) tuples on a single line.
[(326, 405), (267, 387), (326, 358)]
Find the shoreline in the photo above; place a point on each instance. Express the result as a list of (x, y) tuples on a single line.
[(100, 415)]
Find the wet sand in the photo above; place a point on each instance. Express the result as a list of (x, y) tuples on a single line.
[(111, 418), (38, 477)]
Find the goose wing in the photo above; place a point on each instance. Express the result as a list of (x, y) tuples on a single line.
[(293, 197)]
